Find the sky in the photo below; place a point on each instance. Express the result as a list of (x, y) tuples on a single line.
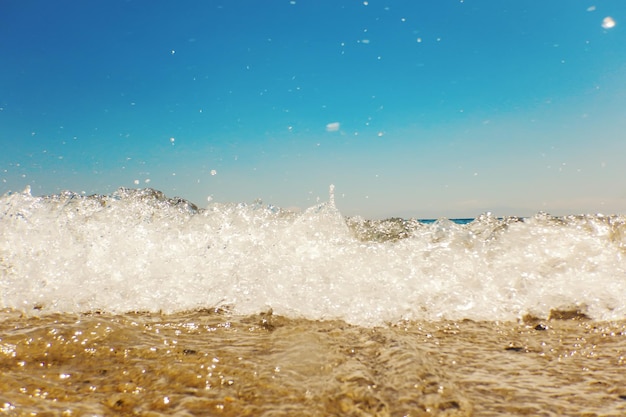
[(409, 108)]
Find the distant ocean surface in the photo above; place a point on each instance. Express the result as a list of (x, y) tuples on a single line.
[(140, 304)]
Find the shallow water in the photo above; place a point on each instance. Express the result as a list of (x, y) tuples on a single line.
[(213, 362), (491, 317)]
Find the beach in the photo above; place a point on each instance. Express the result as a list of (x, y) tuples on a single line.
[(211, 362)]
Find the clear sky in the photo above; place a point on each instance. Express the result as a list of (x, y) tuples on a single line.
[(410, 108)]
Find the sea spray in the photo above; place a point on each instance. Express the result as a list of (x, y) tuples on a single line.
[(138, 250)]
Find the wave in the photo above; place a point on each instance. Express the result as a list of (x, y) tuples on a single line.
[(138, 250)]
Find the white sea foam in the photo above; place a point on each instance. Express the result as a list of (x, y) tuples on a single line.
[(137, 250)]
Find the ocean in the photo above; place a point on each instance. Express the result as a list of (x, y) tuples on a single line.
[(135, 303)]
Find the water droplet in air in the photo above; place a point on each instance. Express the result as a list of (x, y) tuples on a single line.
[(608, 22), (333, 127)]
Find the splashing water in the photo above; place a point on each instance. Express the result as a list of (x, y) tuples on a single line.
[(137, 250)]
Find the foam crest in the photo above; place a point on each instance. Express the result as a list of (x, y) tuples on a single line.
[(138, 250)]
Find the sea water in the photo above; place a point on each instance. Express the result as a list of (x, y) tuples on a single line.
[(135, 303)]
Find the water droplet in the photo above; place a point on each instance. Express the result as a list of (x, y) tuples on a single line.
[(608, 22)]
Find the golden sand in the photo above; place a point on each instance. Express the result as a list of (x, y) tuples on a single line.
[(213, 363)]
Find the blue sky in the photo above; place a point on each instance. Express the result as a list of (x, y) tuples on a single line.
[(410, 108)]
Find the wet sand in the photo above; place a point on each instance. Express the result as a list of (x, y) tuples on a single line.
[(214, 363)]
